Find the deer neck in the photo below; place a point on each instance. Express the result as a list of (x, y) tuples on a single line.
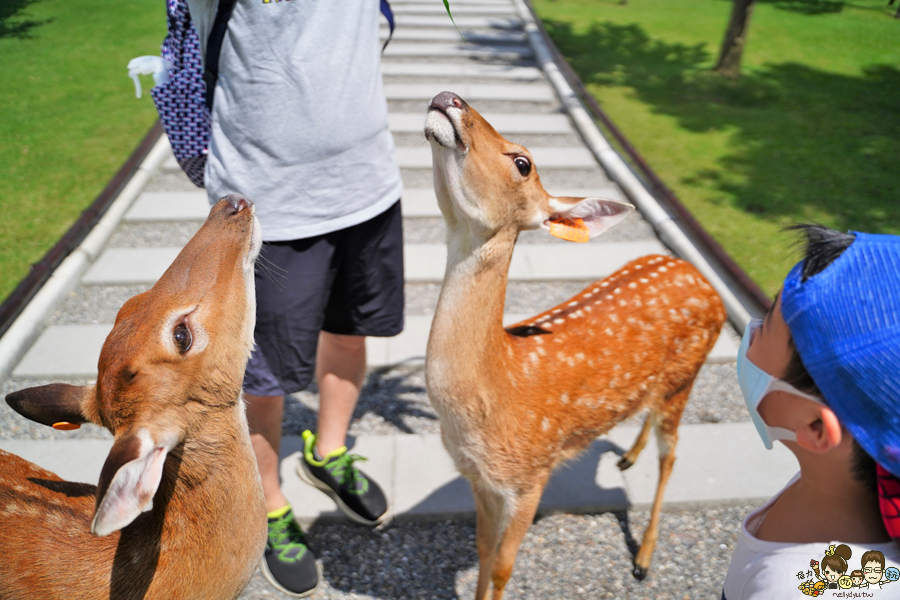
[(468, 322), (210, 491)]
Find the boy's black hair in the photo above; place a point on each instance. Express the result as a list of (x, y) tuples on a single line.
[(822, 246)]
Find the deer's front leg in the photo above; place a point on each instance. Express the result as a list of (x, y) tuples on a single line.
[(490, 509)]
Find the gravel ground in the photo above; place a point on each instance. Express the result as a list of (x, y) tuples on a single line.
[(562, 556)]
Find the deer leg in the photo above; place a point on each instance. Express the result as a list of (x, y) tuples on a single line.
[(520, 519), (667, 419), (490, 508), (628, 459)]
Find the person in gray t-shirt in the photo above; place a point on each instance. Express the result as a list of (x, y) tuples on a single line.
[(299, 125)]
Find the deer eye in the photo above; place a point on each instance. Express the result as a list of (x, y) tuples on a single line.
[(523, 164), (183, 338)]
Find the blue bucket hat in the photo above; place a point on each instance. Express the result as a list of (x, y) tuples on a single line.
[(845, 323)]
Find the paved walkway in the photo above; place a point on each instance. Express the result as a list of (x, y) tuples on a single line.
[(720, 464)]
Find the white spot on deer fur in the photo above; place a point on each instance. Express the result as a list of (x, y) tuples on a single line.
[(670, 264), (662, 269), (617, 291), (644, 280), (588, 308), (533, 357), (622, 303), (654, 274), (558, 321), (545, 424), (555, 311), (638, 267), (588, 295), (564, 398), (604, 284), (625, 272), (580, 356), (538, 340), (632, 285), (609, 297), (541, 351), (573, 303)]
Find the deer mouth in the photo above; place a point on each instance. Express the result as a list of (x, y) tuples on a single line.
[(442, 128)]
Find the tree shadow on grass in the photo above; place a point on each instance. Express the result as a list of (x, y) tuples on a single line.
[(13, 23), (804, 143)]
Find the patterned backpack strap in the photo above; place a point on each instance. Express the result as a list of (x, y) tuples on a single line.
[(889, 501)]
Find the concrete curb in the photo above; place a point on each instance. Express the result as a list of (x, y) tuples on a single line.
[(26, 328), (665, 224)]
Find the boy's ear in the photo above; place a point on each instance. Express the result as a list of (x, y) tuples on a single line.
[(821, 431)]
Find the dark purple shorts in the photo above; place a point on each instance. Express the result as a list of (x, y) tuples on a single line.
[(347, 282)]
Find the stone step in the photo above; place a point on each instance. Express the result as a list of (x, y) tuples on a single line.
[(508, 125), (434, 34), (428, 51), (423, 262), (544, 158), (421, 481), (441, 71), (419, 157), (193, 206), (463, 21), (466, 10), (503, 3), (511, 92)]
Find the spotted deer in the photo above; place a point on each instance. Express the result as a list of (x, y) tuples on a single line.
[(178, 511), (514, 403)]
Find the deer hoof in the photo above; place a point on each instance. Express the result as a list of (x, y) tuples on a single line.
[(624, 464), (639, 572)]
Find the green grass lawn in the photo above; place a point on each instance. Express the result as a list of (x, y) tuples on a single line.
[(68, 115), (810, 132)]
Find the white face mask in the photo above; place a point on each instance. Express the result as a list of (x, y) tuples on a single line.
[(756, 384)]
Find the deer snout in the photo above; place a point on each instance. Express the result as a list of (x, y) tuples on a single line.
[(446, 100), (236, 203)]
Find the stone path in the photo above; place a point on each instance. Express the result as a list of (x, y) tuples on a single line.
[(721, 461)]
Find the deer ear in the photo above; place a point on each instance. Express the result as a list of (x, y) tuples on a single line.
[(598, 214), (52, 404), (129, 480)]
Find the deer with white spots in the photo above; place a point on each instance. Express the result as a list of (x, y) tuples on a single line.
[(514, 403), (179, 509)]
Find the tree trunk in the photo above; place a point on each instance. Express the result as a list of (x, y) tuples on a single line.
[(729, 63)]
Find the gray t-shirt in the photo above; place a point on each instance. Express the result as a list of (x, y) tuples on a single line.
[(299, 121)]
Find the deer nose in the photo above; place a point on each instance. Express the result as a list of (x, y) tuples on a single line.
[(446, 100), (236, 203)]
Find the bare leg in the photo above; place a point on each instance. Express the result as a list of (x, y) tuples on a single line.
[(264, 417), (340, 372), (489, 520)]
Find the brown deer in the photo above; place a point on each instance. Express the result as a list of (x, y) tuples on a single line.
[(514, 403), (179, 510)]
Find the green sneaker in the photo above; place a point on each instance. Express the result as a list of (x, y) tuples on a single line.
[(357, 495), (287, 563)]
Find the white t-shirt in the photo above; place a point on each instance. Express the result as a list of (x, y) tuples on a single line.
[(762, 570), (300, 122)]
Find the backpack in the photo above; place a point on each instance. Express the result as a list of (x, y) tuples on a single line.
[(185, 101)]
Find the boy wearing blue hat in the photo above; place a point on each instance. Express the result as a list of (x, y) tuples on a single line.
[(821, 373)]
